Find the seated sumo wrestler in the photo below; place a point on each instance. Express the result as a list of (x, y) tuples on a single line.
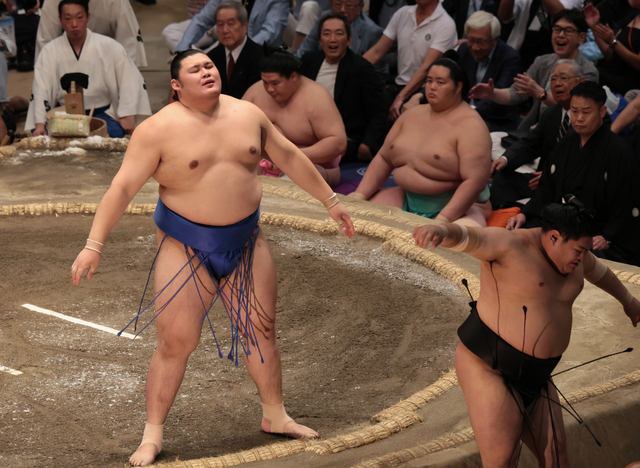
[(303, 111), (440, 154)]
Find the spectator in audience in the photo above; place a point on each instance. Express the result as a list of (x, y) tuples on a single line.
[(381, 11), (484, 56), (600, 169), (509, 184), (267, 20), (303, 111), (237, 58), (621, 68), (112, 18), (364, 32), (440, 155), (569, 31), (305, 17), (113, 78), (173, 32), (354, 85), (461, 11), (530, 26), (423, 33)]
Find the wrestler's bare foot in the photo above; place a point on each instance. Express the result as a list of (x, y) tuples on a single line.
[(145, 455), (291, 429)]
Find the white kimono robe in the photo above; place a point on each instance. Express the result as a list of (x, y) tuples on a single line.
[(113, 78), (113, 18)]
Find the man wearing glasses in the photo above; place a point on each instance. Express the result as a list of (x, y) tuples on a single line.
[(569, 31)]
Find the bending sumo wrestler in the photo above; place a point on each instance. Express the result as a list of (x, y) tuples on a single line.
[(520, 326), (207, 234), (440, 155)]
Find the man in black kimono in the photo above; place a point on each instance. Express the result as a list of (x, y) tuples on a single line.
[(600, 169)]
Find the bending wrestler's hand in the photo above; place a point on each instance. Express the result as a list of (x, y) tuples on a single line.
[(429, 233), (86, 260), (600, 243), (516, 221), (482, 90), (128, 124), (498, 164), (533, 183), (341, 216), (633, 311)]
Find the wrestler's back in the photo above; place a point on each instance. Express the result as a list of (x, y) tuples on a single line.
[(525, 277), (207, 169), (428, 142), (293, 120)]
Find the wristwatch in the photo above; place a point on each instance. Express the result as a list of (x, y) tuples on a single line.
[(613, 44), (543, 96)]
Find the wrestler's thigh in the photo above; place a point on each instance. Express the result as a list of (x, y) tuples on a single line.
[(495, 417), (392, 196), (180, 320), (540, 439)]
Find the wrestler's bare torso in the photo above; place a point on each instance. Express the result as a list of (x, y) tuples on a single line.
[(428, 146), (525, 277), (207, 164)]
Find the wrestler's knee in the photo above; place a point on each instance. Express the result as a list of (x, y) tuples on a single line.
[(177, 345)]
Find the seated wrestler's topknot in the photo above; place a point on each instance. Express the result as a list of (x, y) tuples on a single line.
[(571, 219), (281, 62)]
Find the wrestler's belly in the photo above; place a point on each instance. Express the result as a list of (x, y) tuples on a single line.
[(215, 201), (542, 335), (410, 179)]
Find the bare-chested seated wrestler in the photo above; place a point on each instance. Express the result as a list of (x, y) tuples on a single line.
[(521, 325), (440, 155), (303, 111), (204, 150)]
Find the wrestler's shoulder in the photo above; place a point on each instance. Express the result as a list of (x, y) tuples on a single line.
[(240, 108)]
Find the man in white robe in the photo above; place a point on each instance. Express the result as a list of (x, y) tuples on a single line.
[(113, 77), (113, 18)]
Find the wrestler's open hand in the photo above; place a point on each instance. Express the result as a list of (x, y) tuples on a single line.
[(341, 216), (86, 260), (633, 311), (429, 233)]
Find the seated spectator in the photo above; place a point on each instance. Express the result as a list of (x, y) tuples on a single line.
[(528, 26), (423, 33), (569, 31), (305, 17), (112, 18), (267, 20), (364, 32), (621, 68), (462, 10), (113, 77), (484, 56), (509, 185), (26, 20), (354, 85), (237, 58), (600, 169), (628, 116), (172, 33), (445, 177), (381, 11), (303, 111)]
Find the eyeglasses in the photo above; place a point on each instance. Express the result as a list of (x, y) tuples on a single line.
[(481, 42), (561, 78), (347, 6), (567, 31)]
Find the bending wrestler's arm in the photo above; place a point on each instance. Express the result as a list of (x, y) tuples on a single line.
[(300, 170), (474, 155), (380, 167), (328, 128), (485, 244), (410, 179), (140, 162), (597, 273)]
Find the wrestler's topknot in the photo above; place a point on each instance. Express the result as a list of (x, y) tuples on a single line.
[(571, 219)]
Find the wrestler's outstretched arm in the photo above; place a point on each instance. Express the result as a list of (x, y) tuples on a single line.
[(597, 273), (302, 171), (474, 156), (140, 162), (487, 244)]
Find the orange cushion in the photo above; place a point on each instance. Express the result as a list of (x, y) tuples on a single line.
[(499, 218)]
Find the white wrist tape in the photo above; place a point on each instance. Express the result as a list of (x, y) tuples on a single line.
[(464, 240)]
